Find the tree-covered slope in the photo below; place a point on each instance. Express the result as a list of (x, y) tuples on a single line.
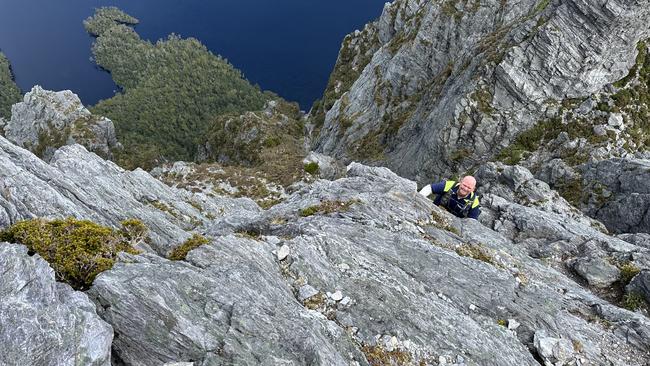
[(171, 90), (9, 91)]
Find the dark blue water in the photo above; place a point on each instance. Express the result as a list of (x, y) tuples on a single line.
[(287, 46)]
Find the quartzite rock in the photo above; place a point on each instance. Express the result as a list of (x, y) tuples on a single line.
[(47, 120), (43, 322)]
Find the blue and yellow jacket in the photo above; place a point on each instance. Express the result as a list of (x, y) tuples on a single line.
[(447, 196)]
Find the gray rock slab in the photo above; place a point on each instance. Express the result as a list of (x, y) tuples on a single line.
[(43, 322), (228, 304)]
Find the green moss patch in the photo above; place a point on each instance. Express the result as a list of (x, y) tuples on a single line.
[(180, 252), (327, 207), (312, 168), (475, 251), (77, 250), (378, 356)]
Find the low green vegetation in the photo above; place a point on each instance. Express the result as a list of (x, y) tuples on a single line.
[(180, 252), (77, 250), (633, 301), (475, 251), (378, 356), (171, 91), (242, 139), (327, 207), (312, 168), (628, 272), (9, 91)]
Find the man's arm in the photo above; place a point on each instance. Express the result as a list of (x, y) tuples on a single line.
[(437, 188), (475, 210)]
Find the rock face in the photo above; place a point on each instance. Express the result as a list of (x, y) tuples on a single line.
[(432, 87), (81, 184), (47, 120), (364, 268), (43, 322), (617, 193)]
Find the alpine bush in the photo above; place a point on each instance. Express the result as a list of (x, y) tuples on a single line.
[(77, 250)]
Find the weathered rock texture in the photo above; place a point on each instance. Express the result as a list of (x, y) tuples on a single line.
[(433, 87), (43, 322), (346, 271), (81, 184), (47, 120)]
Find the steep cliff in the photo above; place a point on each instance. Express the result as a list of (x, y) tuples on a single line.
[(435, 88)]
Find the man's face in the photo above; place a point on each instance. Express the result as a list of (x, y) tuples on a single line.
[(465, 188)]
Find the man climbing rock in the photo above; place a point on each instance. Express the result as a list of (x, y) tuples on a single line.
[(457, 198)]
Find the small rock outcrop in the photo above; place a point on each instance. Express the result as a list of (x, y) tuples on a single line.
[(46, 120), (81, 184), (43, 322)]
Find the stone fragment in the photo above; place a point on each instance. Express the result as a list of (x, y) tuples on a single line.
[(283, 252), (306, 292)]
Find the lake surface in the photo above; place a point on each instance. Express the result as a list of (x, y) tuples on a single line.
[(286, 46)]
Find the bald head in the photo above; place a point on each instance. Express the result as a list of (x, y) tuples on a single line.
[(467, 186)]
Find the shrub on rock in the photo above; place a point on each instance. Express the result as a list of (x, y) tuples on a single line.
[(77, 250), (181, 251)]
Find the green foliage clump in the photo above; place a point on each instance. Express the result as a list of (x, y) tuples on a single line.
[(633, 301), (477, 252), (171, 92), (9, 91), (77, 250), (180, 252), (312, 168), (105, 18), (378, 356), (327, 207), (502, 322), (572, 191), (628, 271)]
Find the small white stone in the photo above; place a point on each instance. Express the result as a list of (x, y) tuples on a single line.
[(337, 296), (393, 342), (513, 324), (472, 307), (442, 360), (283, 252), (346, 300), (344, 267), (615, 120)]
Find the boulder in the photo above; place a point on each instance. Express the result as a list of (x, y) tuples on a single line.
[(47, 120)]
